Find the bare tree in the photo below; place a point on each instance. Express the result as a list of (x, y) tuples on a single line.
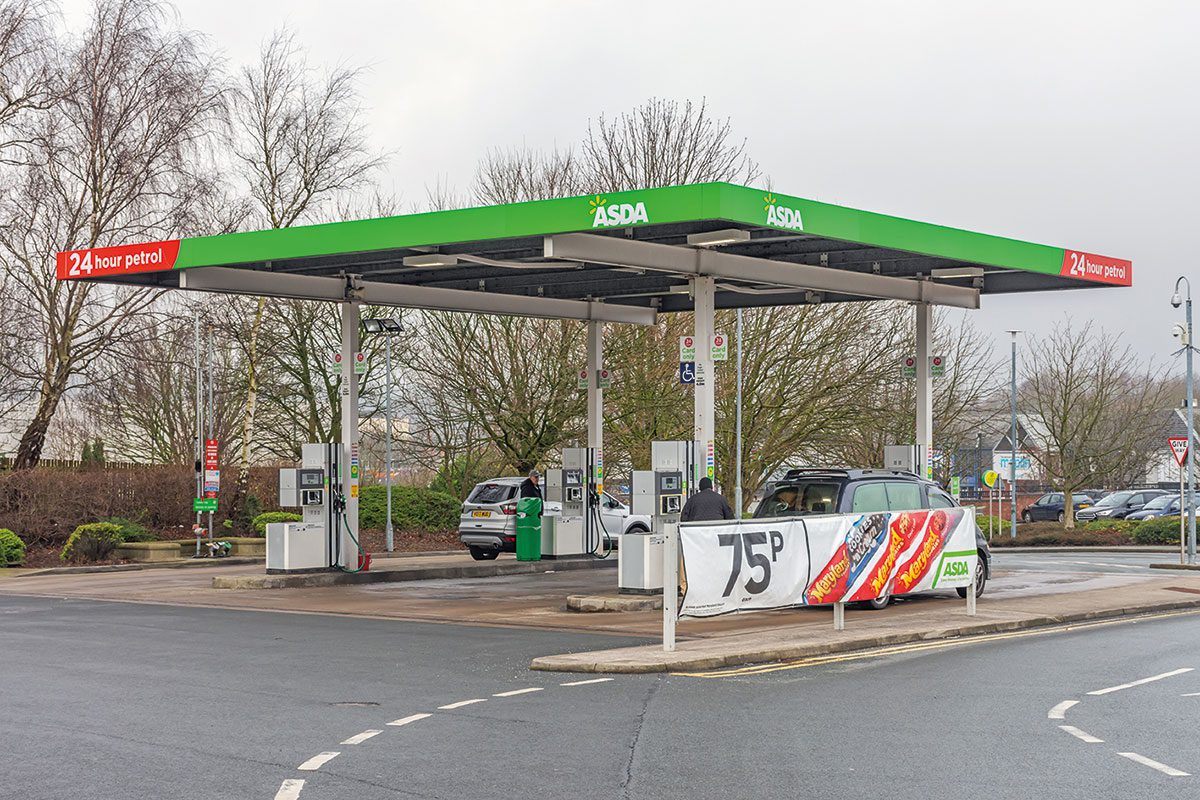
[(514, 378), (139, 99), (663, 143), (30, 78), (518, 175), (301, 145), (1092, 411), (962, 398)]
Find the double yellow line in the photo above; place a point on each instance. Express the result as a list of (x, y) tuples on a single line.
[(918, 647)]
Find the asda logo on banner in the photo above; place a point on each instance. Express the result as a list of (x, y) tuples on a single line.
[(954, 569), (608, 215), (781, 216)]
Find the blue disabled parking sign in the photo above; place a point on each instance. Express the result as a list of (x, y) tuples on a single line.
[(687, 371)]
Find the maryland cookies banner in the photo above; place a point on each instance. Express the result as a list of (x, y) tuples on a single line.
[(753, 565)]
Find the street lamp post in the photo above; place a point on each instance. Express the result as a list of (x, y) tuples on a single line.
[(1012, 438), (1191, 427), (389, 327)]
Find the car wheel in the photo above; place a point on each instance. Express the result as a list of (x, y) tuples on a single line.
[(1025, 517), (1061, 516), (479, 554), (980, 579), (880, 603)]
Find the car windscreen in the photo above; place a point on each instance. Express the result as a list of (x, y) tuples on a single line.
[(1083, 498), (1115, 499), (1159, 503), (800, 497), (491, 493)]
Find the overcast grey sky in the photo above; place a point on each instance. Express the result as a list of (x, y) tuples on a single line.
[(1069, 123)]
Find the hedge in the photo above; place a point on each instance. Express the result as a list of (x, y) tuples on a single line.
[(413, 509), (130, 530), (1160, 530), (12, 549), (93, 542), (261, 521)]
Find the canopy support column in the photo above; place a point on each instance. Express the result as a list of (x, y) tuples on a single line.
[(349, 469), (704, 299), (924, 386), (595, 396)]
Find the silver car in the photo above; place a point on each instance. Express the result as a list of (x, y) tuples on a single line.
[(488, 524)]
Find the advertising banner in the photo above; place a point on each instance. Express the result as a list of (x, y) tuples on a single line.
[(755, 565)]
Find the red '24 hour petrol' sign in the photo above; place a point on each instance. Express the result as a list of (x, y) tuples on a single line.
[(1102, 269), (120, 260)]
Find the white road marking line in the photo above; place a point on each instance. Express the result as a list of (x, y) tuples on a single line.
[(586, 683), (516, 692), (1081, 735), (1131, 684), (317, 761), (461, 703), (289, 789), (1152, 764), (1191, 694), (1060, 709), (359, 738), (409, 718)]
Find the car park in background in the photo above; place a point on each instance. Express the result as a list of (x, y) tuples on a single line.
[(1166, 505), (1119, 505), (1051, 508)]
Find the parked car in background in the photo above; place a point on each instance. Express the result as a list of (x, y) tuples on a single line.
[(1051, 507), (804, 492), (488, 524), (1119, 505), (1167, 505)]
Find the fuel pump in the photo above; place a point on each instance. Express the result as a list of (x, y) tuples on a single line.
[(668, 496), (575, 529), (641, 555), (312, 544)]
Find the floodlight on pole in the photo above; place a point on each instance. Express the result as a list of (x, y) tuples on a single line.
[(1176, 301), (388, 327)]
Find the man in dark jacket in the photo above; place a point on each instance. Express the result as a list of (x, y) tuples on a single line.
[(529, 486), (706, 505)]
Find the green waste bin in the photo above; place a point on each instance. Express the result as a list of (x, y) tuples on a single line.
[(529, 529)]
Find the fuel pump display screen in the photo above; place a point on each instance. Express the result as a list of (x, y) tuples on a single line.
[(670, 483), (311, 478)]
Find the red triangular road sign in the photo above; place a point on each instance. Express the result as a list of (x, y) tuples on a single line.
[(1179, 446)]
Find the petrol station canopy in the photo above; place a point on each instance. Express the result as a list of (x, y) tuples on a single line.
[(619, 257)]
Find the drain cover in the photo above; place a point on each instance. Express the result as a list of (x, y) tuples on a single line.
[(354, 704)]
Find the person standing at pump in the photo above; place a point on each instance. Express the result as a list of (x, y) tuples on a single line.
[(530, 487), (706, 505)]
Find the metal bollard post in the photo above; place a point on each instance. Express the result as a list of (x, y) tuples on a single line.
[(670, 531), (839, 616)]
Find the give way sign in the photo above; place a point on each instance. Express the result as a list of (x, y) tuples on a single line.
[(1179, 446)]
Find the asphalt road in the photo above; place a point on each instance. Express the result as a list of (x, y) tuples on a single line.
[(112, 700)]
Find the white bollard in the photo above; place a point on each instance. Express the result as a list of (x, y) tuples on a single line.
[(670, 532), (971, 592), (839, 616)]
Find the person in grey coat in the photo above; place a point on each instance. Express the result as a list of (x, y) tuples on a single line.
[(706, 505)]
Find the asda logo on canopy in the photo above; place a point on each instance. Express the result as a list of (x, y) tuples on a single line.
[(781, 216), (608, 215)]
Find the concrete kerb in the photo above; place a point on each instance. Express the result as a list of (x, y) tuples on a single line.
[(1175, 566), (182, 563), (651, 658), (1132, 548), (472, 569)]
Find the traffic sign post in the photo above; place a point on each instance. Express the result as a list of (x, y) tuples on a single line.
[(1179, 449)]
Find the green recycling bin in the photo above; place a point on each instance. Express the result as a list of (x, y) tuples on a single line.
[(529, 529)]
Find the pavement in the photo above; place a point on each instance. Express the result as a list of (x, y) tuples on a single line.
[(141, 702)]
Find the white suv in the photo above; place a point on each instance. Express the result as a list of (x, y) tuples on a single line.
[(488, 525)]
